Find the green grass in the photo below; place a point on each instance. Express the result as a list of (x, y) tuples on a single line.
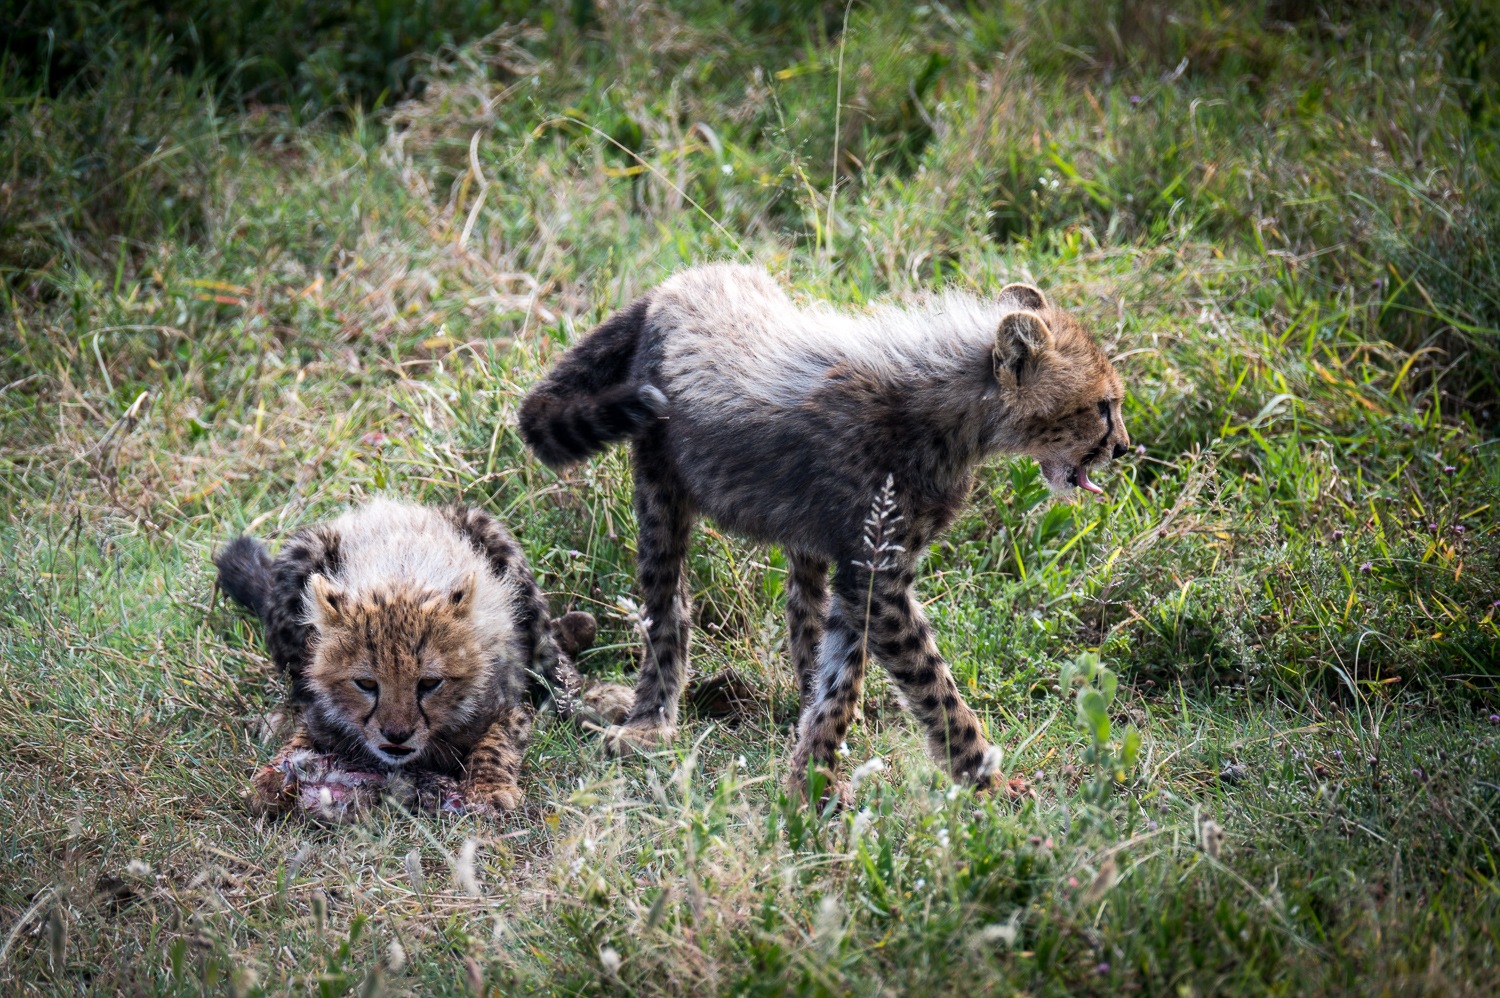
[(220, 314)]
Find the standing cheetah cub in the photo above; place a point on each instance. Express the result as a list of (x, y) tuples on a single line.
[(411, 637), (782, 423)]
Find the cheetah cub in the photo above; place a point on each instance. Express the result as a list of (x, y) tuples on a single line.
[(783, 423), (412, 638)]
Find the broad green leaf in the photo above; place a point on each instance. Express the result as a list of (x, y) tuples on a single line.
[(1108, 683), (1130, 748)]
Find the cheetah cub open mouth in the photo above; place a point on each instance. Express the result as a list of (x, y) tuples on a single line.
[(1061, 477)]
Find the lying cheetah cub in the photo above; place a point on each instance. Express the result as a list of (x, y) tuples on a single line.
[(412, 637), (782, 423)]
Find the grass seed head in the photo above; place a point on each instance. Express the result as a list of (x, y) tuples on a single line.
[(463, 868), (57, 937), (395, 956), (319, 904), (1212, 835), (414, 874)]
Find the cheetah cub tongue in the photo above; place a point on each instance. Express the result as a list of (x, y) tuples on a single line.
[(1086, 485)]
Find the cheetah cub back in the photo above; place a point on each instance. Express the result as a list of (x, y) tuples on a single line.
[(413, 639)]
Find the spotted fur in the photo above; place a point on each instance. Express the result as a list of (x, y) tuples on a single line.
[(781, 422), (415, 640)]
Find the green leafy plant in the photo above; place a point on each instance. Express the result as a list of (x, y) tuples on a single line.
[(1112, 761)]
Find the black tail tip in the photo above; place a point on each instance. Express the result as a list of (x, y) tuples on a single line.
[(244, 571), (564, 430)]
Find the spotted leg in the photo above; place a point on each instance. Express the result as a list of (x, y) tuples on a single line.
[(492, 774), (883, 611), (901, 639), (835, 690), (806, 609), (664, 520)]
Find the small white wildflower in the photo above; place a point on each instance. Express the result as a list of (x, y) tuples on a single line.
[(727, 169), (864, 771), (588, 845), (843, 750), (631, 612), (884, 553), (742, 763), (138, 868), (952, 794), (862, 822), (576, 867), (921, 883), (942, 838), (463, 869), (610, 959)]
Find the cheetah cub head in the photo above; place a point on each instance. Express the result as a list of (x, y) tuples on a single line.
[(1061, 393), (393, 669)]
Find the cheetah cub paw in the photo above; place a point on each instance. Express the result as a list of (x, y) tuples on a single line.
[(489, 799), (626, 739)]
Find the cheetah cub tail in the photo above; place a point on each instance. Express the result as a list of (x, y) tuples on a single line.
[(245, 573), (589, 401)]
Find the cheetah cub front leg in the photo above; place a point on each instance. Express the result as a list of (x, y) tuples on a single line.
[(878, 615), (491, 780)]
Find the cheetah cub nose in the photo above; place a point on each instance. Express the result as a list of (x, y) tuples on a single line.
[(394, 742), (1119, 451)]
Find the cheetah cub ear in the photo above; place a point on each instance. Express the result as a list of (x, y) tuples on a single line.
[(1020, 344), (457, 603), (1022, 296), (328, 604)]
